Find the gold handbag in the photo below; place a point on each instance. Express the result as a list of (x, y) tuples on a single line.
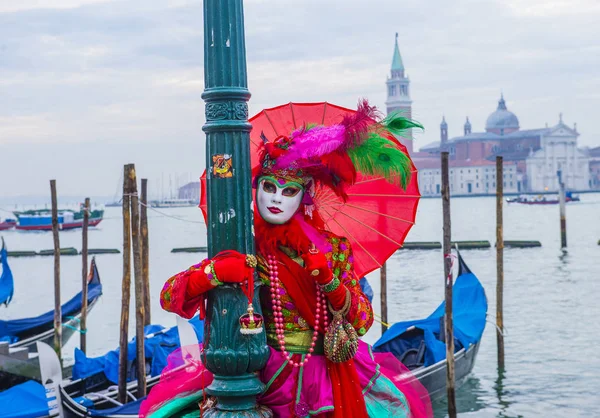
[(341, 339)]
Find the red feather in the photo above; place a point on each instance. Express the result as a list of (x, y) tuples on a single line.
[(357, 124)]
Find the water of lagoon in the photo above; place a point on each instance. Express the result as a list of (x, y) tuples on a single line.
[(551, 307)]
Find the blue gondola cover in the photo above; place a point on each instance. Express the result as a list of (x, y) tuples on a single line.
[(156, 348), (27, 400), (6, 279), (366, 288), (469, 312)]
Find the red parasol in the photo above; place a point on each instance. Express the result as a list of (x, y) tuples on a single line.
[(377, 215)]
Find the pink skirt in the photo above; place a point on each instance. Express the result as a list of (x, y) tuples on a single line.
[(386, 384)]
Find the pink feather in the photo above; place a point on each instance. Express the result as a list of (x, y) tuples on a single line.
[(312, 143), (323, 140)]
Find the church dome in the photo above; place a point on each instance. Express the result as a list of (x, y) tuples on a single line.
[(502, 120)]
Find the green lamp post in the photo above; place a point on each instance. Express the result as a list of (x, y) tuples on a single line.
[(232, 357)]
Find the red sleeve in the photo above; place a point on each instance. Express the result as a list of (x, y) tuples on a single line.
[(185, 293)]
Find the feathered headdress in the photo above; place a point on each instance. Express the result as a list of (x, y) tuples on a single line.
[(332, 155)]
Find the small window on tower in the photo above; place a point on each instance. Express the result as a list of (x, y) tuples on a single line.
[(392, 90)]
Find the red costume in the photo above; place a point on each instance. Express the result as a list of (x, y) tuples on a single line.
[(313, 305)]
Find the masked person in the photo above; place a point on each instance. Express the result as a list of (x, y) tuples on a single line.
[(309, 286)]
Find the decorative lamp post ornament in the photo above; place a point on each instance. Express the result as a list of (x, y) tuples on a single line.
[(251, 323)]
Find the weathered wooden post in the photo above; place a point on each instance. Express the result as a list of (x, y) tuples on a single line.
[(84, 275), (145, 250), (138, 283), (233, 358), (57, 307), (499, 262), (563, 211), (449, 326), (125, 287), (383, 292)]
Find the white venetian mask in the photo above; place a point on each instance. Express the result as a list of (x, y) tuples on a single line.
[(278, 199)]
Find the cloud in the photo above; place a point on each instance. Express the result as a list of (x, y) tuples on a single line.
[(15, 6), (110, 82), (552, 8)]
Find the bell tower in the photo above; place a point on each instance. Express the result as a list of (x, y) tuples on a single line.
[(443, 131), (467, 127), (398, 93)]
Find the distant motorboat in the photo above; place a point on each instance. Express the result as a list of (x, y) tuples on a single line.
[(173, 203), (41, 219), (542, 199)]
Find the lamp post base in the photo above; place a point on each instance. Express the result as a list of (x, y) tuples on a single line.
[(258, 411), (243, 404)]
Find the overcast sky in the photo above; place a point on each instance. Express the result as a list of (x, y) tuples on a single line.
[(89, 85)]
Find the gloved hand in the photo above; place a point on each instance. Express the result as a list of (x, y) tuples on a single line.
[(231, 267), (317, 267)]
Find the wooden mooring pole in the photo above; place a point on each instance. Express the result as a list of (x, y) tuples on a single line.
[(563, 211), (499, 261), (84, 275), (125, 288), (449, 327), (383, 292), (138, 284), (57, 308), (145, 250)]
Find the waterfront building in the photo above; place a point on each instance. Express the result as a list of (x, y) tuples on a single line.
[(531, 156), (467, 178), (594, 155), (537, 154), (558, 152)]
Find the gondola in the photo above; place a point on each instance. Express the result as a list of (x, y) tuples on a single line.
[(27, 331), (420, 344), (18, 337), (95, 394)]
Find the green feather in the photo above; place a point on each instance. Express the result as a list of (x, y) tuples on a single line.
[(397, 124), (378, 156)]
